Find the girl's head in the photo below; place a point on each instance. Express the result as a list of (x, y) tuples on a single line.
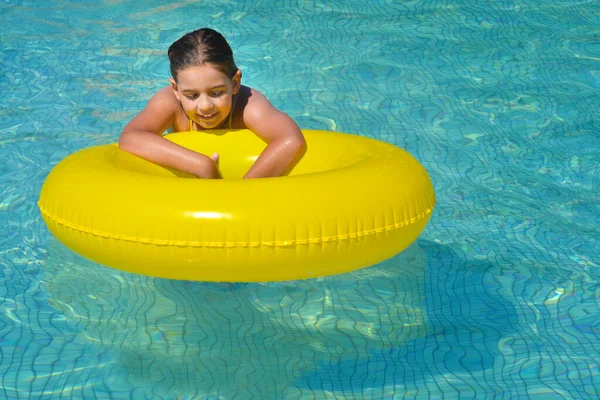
[(205, 77), (202, 47)]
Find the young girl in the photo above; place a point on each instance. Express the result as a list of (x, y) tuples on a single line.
[(206, 93)]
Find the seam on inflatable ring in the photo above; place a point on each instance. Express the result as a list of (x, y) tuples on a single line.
[(190, 243)]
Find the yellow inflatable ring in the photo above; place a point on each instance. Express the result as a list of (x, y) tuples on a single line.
[(351, 202)]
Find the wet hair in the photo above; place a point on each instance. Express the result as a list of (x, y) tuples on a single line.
[(201, 47)]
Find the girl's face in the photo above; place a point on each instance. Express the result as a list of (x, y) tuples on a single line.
[(205, 94)]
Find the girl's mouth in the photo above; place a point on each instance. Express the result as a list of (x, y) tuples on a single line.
[(206, 117)]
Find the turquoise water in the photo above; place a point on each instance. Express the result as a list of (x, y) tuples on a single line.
[(499, 298)]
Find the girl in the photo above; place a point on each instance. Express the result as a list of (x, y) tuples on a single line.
[(206, 93)]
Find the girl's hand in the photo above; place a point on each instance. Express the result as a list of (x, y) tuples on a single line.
[(204, 167), (215, 158)]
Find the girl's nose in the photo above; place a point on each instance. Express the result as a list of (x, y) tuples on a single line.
[(204, 104)]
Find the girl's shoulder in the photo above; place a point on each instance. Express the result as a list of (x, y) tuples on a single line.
[(165, 96), (165, 99), (253, 96), (252, 103)]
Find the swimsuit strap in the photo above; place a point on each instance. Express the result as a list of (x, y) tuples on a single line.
[(232, 110)]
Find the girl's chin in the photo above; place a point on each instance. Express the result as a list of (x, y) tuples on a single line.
[(209, 124)]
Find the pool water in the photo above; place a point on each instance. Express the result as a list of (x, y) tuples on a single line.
[(499, 297)]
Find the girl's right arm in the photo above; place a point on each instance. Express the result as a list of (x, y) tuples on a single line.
[(142, 136)]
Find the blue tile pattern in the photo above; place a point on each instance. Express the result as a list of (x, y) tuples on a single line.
[(499, 298)]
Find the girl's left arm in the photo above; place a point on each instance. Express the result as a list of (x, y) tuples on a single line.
[(285, 142)]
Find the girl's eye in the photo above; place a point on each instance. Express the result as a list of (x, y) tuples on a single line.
[(217, 94), (191, 96)]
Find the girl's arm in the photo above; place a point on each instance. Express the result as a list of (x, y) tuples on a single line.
[(142, 136), (285, 142)]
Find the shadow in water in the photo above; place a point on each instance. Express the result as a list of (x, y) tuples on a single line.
[(347, 333), (465, 320)]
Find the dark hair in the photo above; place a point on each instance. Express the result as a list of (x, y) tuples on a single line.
[(203, 46)]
